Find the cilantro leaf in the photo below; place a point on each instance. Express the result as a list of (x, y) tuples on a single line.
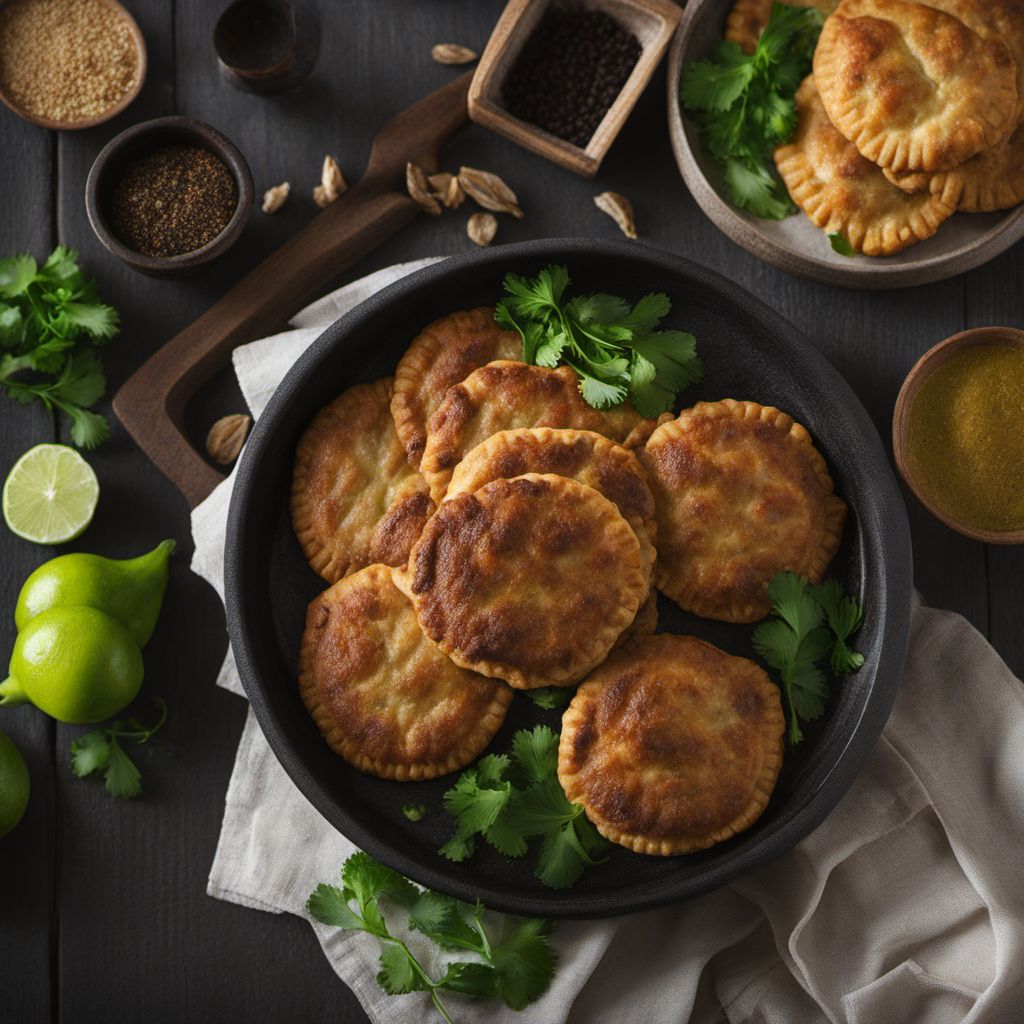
[(517, 967), (615, 349), (90, 753), (844, 616), (48, 328), (123, 779), (840, 244), (744, 106), (101, 750), (551, 697), (329, 905), (536, 752)]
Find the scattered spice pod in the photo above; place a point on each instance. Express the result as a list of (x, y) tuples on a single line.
[(958, 437), (418, 187), (620, 209), (70, 66), (226, 437), (169, 196), (489, 191), (274, 198), (453, 53), (481, 228)]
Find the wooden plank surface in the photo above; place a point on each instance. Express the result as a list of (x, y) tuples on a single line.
[(124, 883), (30, 855)]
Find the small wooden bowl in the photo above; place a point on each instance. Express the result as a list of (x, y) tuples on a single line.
[(922, 369), (651, 21), (70, 126), (145, 137)]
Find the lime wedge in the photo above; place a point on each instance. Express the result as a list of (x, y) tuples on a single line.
[(50, 495)]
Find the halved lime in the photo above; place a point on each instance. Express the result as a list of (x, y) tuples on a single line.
[(50, 494)]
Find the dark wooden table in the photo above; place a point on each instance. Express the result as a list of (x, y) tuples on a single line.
[(103, 911)]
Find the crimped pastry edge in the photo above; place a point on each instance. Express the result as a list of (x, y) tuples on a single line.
[(410, 424), (912, 152), (764, 786), (490, 722), (321, 560), (693, 598)]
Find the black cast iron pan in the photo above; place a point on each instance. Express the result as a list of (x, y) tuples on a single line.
[(749, 352)]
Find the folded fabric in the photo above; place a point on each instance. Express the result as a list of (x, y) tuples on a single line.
[(905, 905)]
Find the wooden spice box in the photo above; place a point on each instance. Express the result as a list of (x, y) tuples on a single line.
[(651, 21)]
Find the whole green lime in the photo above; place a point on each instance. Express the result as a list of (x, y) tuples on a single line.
[(14, 785), (77, 664)]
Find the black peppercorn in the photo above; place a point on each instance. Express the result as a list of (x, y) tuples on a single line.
[(570, 71)]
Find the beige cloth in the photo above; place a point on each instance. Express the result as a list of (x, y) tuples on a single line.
[(905, 905)]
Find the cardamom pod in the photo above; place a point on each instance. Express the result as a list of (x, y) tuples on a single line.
[(620, 209), (419, 189), (455, 195), (482, 227), (489, 191), (226, 437), (452, 53), (331, 179), (274, 198)]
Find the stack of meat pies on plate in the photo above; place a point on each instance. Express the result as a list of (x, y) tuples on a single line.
[(913, 111), (483, 530)]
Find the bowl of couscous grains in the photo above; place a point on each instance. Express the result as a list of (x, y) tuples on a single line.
[(69, 64)]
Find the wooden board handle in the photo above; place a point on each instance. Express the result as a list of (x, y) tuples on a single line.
[(151, 403)]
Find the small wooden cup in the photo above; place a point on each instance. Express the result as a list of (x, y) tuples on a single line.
[(651, 21), (90, 122), (922, 369)]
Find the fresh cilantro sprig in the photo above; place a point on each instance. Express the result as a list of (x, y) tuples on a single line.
[(509, 800), (743, 105), (100, 750), (50, 317), (795, 640), (840, 245), (515, 966), (614, 348)]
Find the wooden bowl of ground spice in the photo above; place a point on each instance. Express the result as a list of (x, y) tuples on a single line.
[(560, 77), (69, 64), (168, 196), (958, 433)]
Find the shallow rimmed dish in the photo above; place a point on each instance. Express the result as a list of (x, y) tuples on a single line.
[(748, 350), (90, 122), (965, 241), (935, 357)]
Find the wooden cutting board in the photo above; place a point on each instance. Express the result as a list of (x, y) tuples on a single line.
[(151, 403)]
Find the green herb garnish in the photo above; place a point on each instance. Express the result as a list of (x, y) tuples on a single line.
[(744, 106), (613, 347), (795, 641), (840, 244), (100, 750), (50, 317), (509, 800), (414, 812), (516, 966), (551, 698)]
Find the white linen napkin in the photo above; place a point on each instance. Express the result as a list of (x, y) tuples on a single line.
[(905, 905)]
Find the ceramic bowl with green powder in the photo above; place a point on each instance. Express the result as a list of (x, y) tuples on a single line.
[(958, 433)]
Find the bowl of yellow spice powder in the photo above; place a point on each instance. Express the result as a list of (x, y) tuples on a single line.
[(958, 433), (69, 64)]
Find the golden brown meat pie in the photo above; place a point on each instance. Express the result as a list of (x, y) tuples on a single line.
[(913, 87), (840, 190), (741, 494), (384, 697), (530, 580), (992, 180), (442, 354), (672, 745), (581, 455), (748, 18), (355, 499), (505, 395)]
